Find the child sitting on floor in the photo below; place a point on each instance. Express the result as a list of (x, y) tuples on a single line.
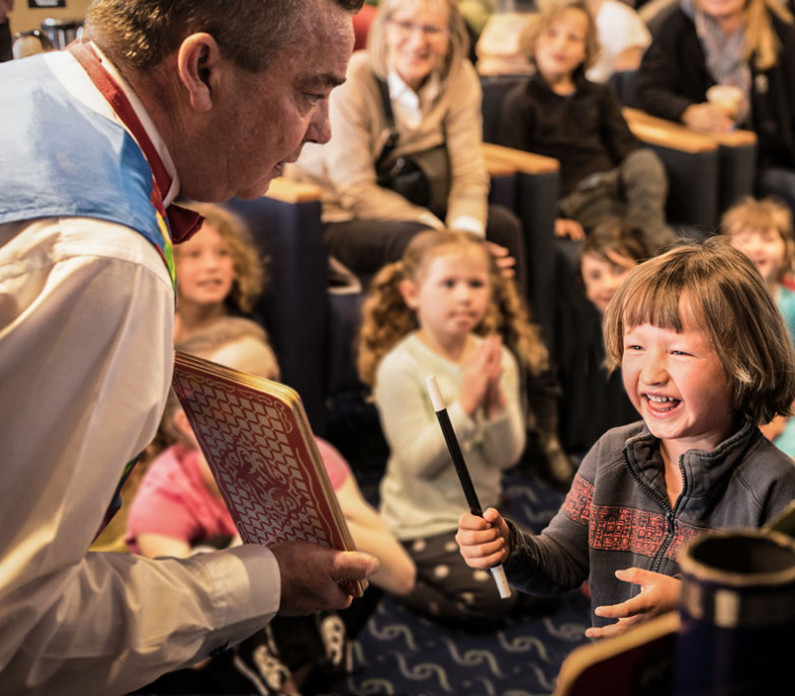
[(705, 359), (763, 230), (179, 509), (442, 310)]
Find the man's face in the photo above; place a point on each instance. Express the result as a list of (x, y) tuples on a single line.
[(274, 112)]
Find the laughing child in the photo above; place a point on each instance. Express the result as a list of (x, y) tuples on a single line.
[(705, 359)]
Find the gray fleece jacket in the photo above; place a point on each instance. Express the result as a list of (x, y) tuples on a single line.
[(617, 514)]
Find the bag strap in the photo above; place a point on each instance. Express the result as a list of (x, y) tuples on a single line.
[(391, 141)]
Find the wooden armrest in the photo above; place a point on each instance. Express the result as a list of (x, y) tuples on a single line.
[(524, 162), (737, 138), (496, 166), (290, 191), (659, 131)]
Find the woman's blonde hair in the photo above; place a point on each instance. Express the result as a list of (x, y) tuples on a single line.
[(729, 302), (457, 48), (550, 11), (761, 41), (249, 269), (387, 318), (761, 215)]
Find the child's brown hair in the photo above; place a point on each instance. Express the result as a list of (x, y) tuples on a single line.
[(730, 303), (249, 268), (204, 343), (550, 11), (618, 236), (387, 318), (760, 215)]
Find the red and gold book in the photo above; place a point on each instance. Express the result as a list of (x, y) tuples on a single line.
[(256, 438)]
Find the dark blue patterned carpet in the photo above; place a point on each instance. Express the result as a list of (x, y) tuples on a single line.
[(400, 653)]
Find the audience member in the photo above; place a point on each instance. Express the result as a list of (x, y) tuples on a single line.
[(763, 230), (416, 67), (207, 104), (179, 509), (442, 310), (594, 399), (705, 358), (748, 48), (219, 270), (623, 38), (605, 172)]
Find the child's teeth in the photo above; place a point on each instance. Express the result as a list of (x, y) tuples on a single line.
[(661, 399)]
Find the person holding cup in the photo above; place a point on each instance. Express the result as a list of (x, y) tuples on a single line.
[(716, 65)]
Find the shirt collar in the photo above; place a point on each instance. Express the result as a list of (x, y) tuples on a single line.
[(409, 101), (146, 122)]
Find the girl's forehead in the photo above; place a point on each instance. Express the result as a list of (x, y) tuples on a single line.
[(457, 257)]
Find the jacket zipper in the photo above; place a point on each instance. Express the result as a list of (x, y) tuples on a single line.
[(669, 515)]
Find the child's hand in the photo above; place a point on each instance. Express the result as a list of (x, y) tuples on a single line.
[(569, 228), (505, 262), (482, 367), (483, 541), (659, 593)]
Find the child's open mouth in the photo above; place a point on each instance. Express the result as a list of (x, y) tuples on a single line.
[(661, 404)]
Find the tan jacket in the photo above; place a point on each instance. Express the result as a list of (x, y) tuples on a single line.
[(345, 166)]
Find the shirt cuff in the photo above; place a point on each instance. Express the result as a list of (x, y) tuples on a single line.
[(247, 591), (467, 223)]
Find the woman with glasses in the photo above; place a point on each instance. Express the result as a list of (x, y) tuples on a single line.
[(415, 67)]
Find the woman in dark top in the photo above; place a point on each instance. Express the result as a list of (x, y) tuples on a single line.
[(749, 44)]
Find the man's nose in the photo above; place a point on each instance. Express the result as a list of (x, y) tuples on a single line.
[(319, 129)]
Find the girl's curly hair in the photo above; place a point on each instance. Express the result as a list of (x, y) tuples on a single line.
[(386, 318)]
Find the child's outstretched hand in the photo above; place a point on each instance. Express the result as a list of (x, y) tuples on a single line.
[(483, 541), (658, 594)]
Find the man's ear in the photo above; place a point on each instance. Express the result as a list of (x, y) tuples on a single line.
[(199, 65), (409, 291)]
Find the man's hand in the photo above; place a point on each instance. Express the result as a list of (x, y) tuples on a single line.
[(311, 576), (658, 595)]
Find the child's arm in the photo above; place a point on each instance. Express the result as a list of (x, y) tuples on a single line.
[(658, 594), (372, 536), (158, 545), (517, 120)]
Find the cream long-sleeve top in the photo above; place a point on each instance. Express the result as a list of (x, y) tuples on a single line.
[(421, 494), (86, 321), (345, 166)]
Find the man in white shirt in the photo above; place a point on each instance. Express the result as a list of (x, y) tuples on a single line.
[(204, 100)]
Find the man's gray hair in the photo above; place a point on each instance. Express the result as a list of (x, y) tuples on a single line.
[(141, 33)]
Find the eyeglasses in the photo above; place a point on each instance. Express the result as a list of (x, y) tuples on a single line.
[(429, 31)]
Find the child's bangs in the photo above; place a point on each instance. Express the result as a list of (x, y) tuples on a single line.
[(655, 303)]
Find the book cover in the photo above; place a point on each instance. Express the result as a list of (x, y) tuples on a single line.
[(256, 438)]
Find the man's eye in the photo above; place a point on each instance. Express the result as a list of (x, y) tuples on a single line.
[(313, 97)]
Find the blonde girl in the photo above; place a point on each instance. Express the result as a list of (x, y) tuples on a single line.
[(445, 310), (762, 229), (219, 271)]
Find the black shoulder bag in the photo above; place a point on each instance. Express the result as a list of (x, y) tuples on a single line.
[(423, 178)]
